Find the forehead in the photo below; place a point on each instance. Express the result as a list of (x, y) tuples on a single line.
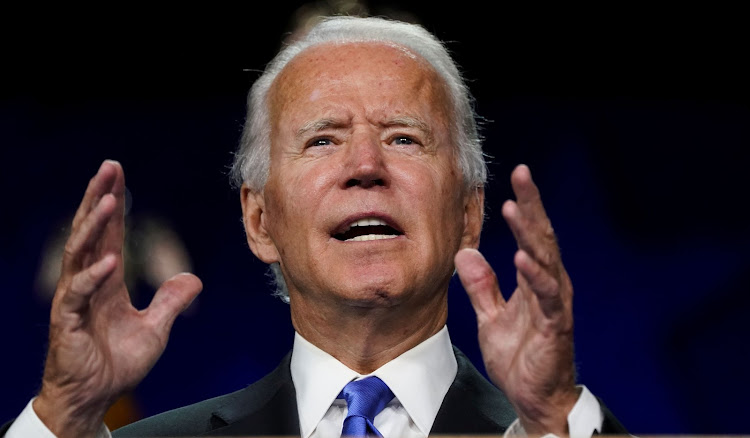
[(368, 71)]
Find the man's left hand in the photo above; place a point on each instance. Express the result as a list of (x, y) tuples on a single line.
[(527, 341)]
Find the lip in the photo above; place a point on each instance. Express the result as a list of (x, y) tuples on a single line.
[(344, 225)]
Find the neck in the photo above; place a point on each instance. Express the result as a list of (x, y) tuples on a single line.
[(366, 338)]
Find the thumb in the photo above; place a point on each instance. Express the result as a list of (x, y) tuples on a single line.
[(479, 281), (173, 297)]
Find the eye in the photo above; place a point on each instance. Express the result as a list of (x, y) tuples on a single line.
[(403, 140), (324, 141)]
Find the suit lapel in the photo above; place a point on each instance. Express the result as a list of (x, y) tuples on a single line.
[(472, 405), (267, 407)]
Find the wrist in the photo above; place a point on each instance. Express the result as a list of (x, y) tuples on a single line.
[(549, 416), (69, 416)]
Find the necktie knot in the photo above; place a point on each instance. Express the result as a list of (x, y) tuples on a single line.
[(365, 399)]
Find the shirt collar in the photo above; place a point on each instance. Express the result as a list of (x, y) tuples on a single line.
[(419, 378)]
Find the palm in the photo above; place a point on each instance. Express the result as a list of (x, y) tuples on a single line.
[(108, 346), (518, 347)]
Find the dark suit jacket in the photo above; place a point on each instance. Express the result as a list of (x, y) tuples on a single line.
[(269, 407)]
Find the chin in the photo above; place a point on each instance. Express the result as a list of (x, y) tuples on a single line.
[(377, 291), (371, 299)]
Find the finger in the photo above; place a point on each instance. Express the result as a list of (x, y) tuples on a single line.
[(527, 194), (85, 236), (99, 185), (537, 239), (541, 283), (529, 202), (479, 281), (174, 296), (114, 233), (86, 282)]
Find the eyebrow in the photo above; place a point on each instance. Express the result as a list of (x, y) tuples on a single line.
[(318, 125), (411, 122), (322, 124)]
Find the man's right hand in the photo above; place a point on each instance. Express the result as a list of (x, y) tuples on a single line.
[(99, 344)]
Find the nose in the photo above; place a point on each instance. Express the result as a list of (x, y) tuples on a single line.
[(365, 164)]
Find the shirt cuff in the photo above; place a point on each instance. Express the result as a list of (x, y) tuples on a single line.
[(28, 424), (583, 420)]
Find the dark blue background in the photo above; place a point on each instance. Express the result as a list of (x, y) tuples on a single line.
[(634, 122)]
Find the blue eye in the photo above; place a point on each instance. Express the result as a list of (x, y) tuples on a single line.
[(402, 140), (321, 142)]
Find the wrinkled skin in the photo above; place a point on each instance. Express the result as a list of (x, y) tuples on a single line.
[(527, 342), (358, 163), (99, 344), (362, 131), (384, 149)]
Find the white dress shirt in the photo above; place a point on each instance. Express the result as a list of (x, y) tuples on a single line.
[(29, 425), (419, 379)]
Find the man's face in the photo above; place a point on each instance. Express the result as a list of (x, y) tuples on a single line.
[(364, 202)]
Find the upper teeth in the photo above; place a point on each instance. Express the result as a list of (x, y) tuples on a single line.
[(366, 222), (369, 222)]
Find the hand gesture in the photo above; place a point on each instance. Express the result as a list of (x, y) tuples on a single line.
[(527, 341), (99, 344)]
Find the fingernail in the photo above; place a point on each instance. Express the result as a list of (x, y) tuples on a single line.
[(107, 161)]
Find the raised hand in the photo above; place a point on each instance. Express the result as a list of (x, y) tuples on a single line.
[(99, 344), (527, 342)]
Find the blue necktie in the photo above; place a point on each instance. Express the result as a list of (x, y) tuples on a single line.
[(364, 399)]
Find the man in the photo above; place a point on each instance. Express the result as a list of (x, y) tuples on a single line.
[(363, 186)]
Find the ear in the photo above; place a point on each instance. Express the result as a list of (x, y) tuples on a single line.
[(254, 218), (473, 217)]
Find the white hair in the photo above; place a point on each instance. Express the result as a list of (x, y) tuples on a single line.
[(252, 159)]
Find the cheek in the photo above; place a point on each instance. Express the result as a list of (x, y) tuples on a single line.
[(299, 198), (451, 205), (437, 190), (273, 217), (308, 189)]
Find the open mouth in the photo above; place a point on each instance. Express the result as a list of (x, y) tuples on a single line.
[(367, 229)]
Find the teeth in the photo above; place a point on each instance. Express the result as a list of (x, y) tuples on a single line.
[(366, 222), (367, 237), (369, 222)]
